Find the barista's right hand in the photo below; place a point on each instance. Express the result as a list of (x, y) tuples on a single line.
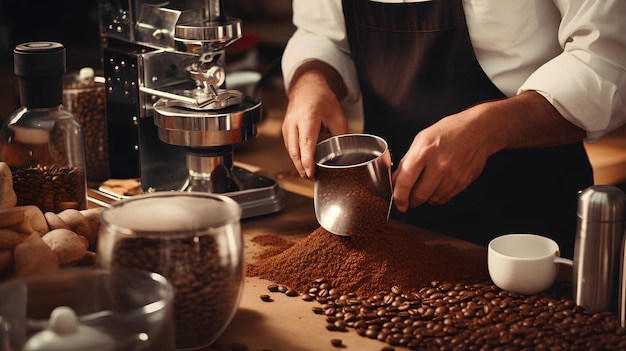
[(313, 106)]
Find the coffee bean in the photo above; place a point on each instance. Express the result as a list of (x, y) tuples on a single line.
[(291, 292), (336, 342)]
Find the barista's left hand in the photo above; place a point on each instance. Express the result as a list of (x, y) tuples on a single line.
[(447, 156)]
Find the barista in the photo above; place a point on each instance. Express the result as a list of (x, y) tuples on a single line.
[(484, 104)]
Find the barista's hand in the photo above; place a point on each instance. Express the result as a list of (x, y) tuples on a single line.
[(446, 157), (313, 107), (441, 162)]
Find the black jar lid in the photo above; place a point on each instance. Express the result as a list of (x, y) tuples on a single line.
[(40, 58), (40, 66)]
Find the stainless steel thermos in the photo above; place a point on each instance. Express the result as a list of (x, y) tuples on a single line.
[(599, 241)]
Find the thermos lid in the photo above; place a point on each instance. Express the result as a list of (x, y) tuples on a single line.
[(602, 203), (39, 59)]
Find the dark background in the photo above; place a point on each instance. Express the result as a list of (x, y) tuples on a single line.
[(75, 24)]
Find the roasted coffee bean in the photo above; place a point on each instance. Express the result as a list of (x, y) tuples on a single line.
[(336, 342), (266, 298), (291, 292)]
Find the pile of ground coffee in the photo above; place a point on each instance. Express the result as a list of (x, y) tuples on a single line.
[(365, 263), (272, 245)]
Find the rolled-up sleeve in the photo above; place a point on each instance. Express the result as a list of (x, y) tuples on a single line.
[(586, 83), (320, 34)]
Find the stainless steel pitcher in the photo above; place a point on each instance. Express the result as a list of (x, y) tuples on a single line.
[(600, 231), (353, 190)]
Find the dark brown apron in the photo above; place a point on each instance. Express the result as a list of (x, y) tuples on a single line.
[(416, 65)]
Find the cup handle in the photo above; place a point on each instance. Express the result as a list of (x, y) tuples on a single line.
[(562, 260)]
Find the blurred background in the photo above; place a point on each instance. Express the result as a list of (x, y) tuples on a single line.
[(74, 23)]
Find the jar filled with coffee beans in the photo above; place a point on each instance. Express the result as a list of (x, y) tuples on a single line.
[(195, 241), (84, 97), (41, 142)]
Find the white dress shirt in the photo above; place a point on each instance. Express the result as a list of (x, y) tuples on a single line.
[(573, 52)]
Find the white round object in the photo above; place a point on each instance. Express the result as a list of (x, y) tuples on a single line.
[(63, 320), (86, 73), (66, 333)]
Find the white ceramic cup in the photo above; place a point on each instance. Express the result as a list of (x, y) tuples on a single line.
[(524, 263)]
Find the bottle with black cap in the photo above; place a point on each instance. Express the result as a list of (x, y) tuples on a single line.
[(42, 143)]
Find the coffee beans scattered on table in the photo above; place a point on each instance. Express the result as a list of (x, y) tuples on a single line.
[(469, 316), (51, 188), (206, 283)]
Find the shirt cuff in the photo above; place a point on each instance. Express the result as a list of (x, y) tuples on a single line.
[(304, 46), (579, 93)]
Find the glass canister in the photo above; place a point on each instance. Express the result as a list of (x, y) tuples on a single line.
[(192, 239), (84, 97), (41, 142)]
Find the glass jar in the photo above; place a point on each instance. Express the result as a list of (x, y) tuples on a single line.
[(41, 142), (195, 241), (84, 97)]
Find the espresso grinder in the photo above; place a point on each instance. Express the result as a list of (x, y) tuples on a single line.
[(171, 119)]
